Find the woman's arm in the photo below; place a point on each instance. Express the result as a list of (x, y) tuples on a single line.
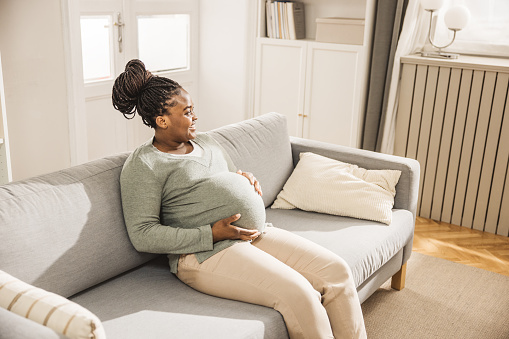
[(141, 204)]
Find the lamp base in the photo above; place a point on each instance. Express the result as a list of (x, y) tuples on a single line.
[(440, 55)]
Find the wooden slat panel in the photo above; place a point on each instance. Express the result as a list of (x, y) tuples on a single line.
[(468, 143), (457, 141), (483, 119), (427, 117), (456, 123), (415, 117), (445, 144), (488, 165), (434, 141), (404, 109), (496, 213)]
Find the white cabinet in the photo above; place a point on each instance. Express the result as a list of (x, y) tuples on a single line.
[(319, 87), (280, 78)]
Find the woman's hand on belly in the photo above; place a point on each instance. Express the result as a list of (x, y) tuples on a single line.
[(223, 229), (252, 180)]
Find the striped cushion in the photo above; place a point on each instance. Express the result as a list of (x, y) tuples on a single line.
[(324, 185), (48, 309)]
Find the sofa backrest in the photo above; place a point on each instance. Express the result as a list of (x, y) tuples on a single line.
[(261, 146), (65, 231)]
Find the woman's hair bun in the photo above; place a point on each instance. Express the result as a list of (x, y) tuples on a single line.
[(136, 90), (128, 87)]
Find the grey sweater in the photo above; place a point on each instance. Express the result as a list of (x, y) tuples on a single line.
[(170, 202)]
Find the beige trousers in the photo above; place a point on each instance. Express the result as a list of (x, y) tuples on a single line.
[(309, 285)]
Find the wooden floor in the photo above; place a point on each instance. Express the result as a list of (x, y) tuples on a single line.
[(462, 245)]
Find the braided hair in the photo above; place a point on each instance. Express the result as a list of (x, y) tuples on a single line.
[(137, 90)]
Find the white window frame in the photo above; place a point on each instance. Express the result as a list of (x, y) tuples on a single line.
[(188, 47), (182, 76), (111, 47)]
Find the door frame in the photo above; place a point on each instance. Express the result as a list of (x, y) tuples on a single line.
[(78, 140)]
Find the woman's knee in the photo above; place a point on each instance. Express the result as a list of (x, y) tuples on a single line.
[(335, 272), (298, 291), (340, 270)]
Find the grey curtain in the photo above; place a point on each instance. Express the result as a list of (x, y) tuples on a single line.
[(388, 22)]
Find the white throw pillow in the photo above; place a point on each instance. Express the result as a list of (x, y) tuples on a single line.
[(324, 185), (48, 309)]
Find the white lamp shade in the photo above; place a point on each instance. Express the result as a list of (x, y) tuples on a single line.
[(432, 5), (457, 17)]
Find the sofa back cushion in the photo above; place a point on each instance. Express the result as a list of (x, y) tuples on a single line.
[(261, 146), (65, 231)]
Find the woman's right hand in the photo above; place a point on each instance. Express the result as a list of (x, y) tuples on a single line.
[(223, 229)]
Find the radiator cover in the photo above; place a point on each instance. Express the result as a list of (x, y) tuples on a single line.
[(453, 117)]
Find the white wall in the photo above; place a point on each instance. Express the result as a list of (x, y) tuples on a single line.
[(32, 46), (32, 49), (226, 47)]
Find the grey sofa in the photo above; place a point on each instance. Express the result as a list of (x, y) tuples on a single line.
[(64, 232)]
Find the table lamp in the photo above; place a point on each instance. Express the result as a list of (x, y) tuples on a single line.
[(456, 18)]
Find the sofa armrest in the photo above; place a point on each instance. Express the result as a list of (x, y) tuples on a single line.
[(407, 189), (14, 326)]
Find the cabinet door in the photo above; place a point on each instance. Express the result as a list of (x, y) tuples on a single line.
[(280, 76), (332, 94)]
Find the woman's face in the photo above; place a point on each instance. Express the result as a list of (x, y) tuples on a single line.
[(181, 119)]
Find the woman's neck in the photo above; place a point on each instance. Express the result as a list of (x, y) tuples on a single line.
[(172, 147)]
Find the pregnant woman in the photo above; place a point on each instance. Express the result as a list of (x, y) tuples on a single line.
[(183, 196)]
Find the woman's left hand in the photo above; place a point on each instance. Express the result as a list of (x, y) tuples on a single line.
[(252, 180)]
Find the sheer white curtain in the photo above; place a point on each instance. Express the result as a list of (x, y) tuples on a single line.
[(487, 32), (412, 39)]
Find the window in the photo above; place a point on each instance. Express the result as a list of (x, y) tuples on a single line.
[(487, 32), (163, 42), (96, 44)]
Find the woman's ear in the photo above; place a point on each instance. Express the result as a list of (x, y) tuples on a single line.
[(161, 121)]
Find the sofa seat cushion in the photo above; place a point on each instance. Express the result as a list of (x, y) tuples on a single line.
[(151, 301), (375, 243)]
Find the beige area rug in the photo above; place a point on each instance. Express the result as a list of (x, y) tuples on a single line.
[(442, 299)]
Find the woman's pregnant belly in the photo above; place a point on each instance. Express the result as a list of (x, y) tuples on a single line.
[(214, 198), (235, 194)]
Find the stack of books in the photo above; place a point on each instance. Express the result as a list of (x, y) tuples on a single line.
[(285, 20)]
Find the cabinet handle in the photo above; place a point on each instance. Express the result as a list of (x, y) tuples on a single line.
[(303, 115)]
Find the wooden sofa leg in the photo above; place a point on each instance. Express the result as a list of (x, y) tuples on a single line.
[(398, 279)]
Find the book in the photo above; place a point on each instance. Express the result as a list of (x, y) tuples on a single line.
[(285, 20), (298, 20), (269, 19)]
